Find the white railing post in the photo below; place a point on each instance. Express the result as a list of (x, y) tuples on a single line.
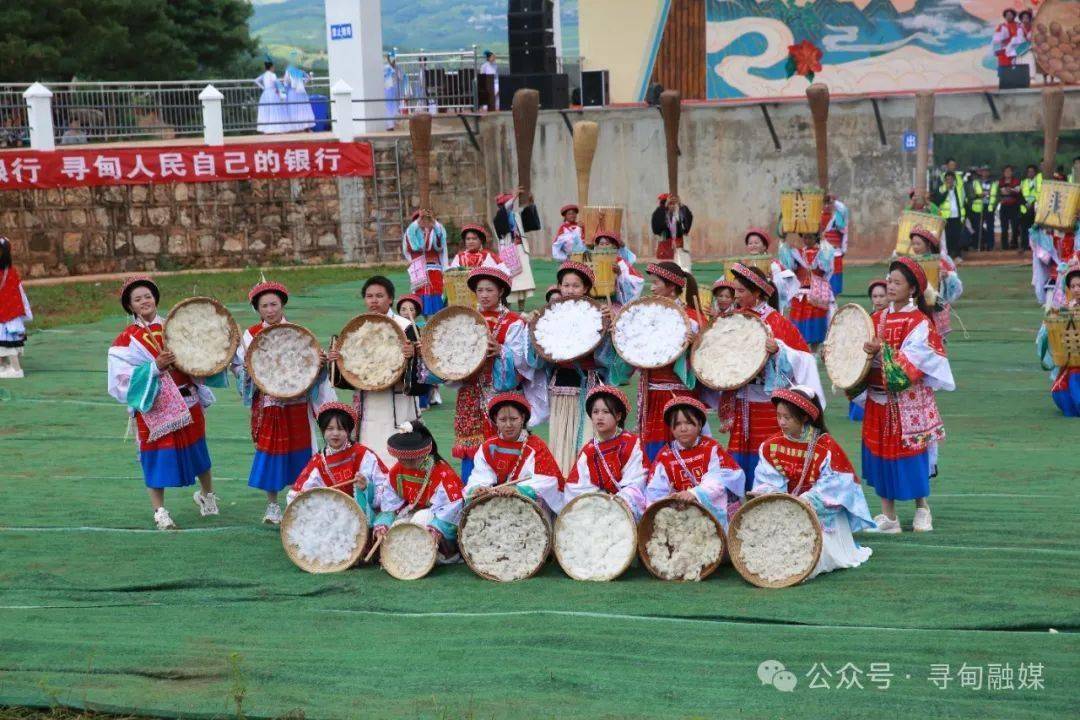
[(343, 118), (39, 113), (213, 128)]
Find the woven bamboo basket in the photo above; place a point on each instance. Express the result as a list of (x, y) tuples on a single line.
[(849, 368), (456, 287), (603, 264), (800, 210), (348, 504), (647, 526), (686, 329), (397, 366), (931, 265), (266, 340), (224, 348), (761, 262), (543, 352), (1063, 336), (394, 535), (697, 361), (436, 363), (594, 218), (909, 219), (735, 544), (559, 521), (1058, 205), (467, 551)]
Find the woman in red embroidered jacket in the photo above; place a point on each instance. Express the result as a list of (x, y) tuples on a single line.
[(694, 466), (814, 301), (515, 460), (902, 424), (283, 430), (421, 488), (475, 252), (166, 404), (612, 462), (14, 314)]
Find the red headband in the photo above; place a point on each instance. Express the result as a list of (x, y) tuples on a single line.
[(567, 208), (611, 390), (347, 409), (503, 198), (610, 235), (512, 398), (414, 454), (916, 270), (552, 289), (875, 282), (266, 286), (926, 234), (722, 283), (662, 197), (414, 298), (665, 274), (742, 271), (684, 402), (798, 400), (478, 229), (761, 233), (579, 267), (487, 273)]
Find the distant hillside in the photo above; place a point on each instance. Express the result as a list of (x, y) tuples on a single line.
[(408, 25)]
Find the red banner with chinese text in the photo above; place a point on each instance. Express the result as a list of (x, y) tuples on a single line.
[(36, 169)]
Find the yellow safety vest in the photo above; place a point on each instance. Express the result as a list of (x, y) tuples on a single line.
[(945, 208), (1030, 189), (977, 193)]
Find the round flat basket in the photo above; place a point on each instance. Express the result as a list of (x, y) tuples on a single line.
[(731, 351), (504, 537), (284, 361), (324, 531), (846, 363), (595, 537), (372, 358), (567, 330), (408, 551), (680, 540), (454, 342), (651, 332), (766, 555), (203, 335)]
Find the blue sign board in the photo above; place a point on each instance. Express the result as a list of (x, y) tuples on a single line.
[(341, 31), (910, 142)]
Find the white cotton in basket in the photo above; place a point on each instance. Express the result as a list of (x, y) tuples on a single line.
[(731, 351), (407, 551), (373, 354), (595, 538), (777, 540), (684, 542), (568, 330), (286, 360), (323, 530), (505, 538), (200, 337), (650, 334), (844, 355), (459, 343)]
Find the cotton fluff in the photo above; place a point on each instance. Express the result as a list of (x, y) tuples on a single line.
[(595, 538), (285, 361), (373, 354), (505, 538), (568, 330), (200, 337), (731, 351), (684, 542), (844, 356), (408, 551), (649, 335), (324, 530), (459, 343), (777, 540)]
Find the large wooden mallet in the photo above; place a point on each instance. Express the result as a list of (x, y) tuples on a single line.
[(420, 134), (671, 109), (1053, 102), (924, 130), (818, 95), (586, 136), (526, 109)]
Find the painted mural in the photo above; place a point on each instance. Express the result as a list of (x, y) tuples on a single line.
[(868, 45)]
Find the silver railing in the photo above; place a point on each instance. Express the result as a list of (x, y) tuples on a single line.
[(435, 82)]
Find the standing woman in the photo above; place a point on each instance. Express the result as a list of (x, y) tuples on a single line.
[(902, 424), (876, 291), (272, 113), (301, 116), (283, 431), (834, 230), (757, 241), (752, 417), (424, 248), (475, 252), (516, 216), (14, 314), (949, 289), (671, 222), (814, 301), (569, 238), (166, 404)]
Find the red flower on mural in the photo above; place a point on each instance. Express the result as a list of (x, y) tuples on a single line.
[(804, 59)]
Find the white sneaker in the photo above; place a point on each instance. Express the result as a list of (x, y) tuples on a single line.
[(207, 503), (886, 526), (923, 521), (273, 514), (163, 520)]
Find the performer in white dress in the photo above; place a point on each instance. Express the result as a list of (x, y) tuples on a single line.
[(301, 116), (273, 113)]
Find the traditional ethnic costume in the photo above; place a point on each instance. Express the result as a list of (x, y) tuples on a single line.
[(167, 407), (704, 468), (1051, 252), (425, 251), (672, 228), (1064, 381), (748, 411), (512, 221), (834, 230), (785, 280), (14, 314), (902, 424), (855, 409), (815, 469), (569, 238), (949, 288), (615, 466), (814, 301), (526, 463)]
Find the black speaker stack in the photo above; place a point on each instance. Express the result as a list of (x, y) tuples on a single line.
[(533, 64)]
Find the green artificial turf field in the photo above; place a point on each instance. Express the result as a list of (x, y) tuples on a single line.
[(98, 610)]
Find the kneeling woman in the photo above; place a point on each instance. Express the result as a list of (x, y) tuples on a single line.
[(421, 488), (612, 462), (341, 464), (515, 460), (694, 466), (166, 404), (804, 461)]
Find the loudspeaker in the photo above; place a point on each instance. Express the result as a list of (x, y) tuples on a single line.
[(532, 60), (1015, 77), (516, 6), (543, 20), (554, 89), (594, 87), (531, 38)]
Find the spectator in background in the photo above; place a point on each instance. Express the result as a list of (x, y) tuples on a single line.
[(301, 116), (1029, 192), (395, 89), (984, 200), (1003, 38), (1009, 209), (74, 135), (491, 68), (1074, 176), (948, 167), (953, 208)]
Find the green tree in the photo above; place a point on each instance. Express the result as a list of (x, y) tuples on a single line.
[(55, 40)]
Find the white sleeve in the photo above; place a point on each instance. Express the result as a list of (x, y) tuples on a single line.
[(544, 487), (632, 482), (583, 483), (28, 314), (717, 480), (483, 475), (121, 364), (445, 510), (659, 486), (934, 366), (386, 499), (767, 479), (373, 471), (804, 369)]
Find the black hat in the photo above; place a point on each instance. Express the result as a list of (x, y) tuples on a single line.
[(132, 283)]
